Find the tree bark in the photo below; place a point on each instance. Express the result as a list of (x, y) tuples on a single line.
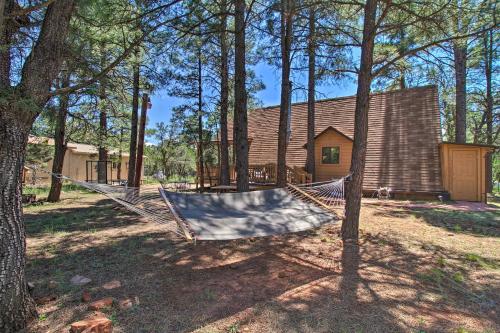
[(460, 59), (140, 140), (224, 99), (311, 94), (240, 128), (16, 305), (488, 65), (286, 42), (402, 49), (6, 32), (102, 165), (60, 145), (120, 156), (16, 118), (201, 164), (350, 225), (133, 123)]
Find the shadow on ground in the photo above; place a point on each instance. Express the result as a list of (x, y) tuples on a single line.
[(307, 282), (482, 223)]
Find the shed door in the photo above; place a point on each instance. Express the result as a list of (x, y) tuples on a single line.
[(465, 175)]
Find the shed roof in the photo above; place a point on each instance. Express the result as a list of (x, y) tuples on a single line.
[(404, 134), (470, 144)]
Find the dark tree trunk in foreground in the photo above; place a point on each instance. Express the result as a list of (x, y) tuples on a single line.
[(311, 89), (350, 225), (460, 58), (140, 140), (201, 164), (16, 119), (60, 145), (224, 99), (488, 65), (240, 128), (133, 124), (16, 305), (286, 42)]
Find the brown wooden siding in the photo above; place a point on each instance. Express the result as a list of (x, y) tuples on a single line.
[(403, 136)]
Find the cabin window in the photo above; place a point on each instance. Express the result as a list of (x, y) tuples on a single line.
[(330, 155)]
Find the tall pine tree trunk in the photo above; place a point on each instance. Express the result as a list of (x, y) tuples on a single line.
[(350, 225), (60, 145), (201, 164), (488, 65), (311, 94), (286, 43), (224, 99), (140, 140), (240, 128), (102, 165), (120, 156), (402, 49), (460, 59), (133, 122), (16, 119)]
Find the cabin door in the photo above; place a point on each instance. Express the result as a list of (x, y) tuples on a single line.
[(465, 175)]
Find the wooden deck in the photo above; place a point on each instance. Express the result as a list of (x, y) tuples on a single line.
[(262, 175)]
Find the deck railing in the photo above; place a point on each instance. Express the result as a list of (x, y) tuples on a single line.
[(261, 174)]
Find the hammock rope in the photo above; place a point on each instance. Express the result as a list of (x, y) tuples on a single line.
[(146, 202), (327, 194)]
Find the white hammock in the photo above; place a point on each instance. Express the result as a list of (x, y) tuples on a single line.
[(222, 216)]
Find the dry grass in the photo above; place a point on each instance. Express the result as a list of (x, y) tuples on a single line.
[(414, 271)]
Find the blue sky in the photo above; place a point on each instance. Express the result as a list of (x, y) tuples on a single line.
[(162, 103)]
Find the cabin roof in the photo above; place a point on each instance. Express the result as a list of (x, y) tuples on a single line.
[(330, 128), (77, 148), (404, 134)]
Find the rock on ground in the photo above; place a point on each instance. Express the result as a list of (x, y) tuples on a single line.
[(79, 280), (101, 304), (96, 324)]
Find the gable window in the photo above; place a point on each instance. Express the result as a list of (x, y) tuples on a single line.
[(330, 155)]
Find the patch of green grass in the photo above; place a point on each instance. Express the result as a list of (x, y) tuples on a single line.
[(42, 317), (50, 248), (480, 261), (209, 295), (441, 261), (458, 277), (382, 242), (435, 275), (113, 318), (482, 222), (462, 330), (234, 328), (326, 239), (43, 191)]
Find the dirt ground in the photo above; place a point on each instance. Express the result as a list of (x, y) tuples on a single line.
[(415, 270)]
